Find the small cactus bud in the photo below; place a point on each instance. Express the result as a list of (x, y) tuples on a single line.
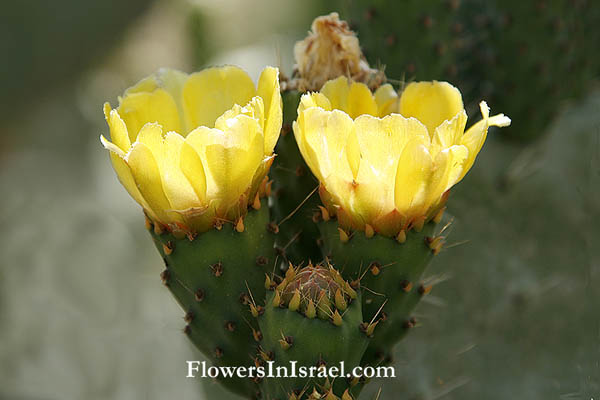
[(168, 248), (405, 286), (347, 395), (286, 342), (324, 213), (256, 203), (282, 285), (311, 311), (266, 356), (423, 290), (331, 396), (340, 301), (290, 273), (315, 395), (276, 299), (371, 328), (350, 291), (337, 318), (369, 232), (401, 237), (257, 335), (268, 282), (418, 224), (239, 226), (295, 301), (323, 306), (343, 235), (254, 311), (435, 244), (375, 268)]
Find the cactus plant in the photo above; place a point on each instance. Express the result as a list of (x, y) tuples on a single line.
[(384, 163), (475, 43)]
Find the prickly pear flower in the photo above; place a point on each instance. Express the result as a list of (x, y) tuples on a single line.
[(386, 164), (194, 150)]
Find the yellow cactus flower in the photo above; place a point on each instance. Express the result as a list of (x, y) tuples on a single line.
[(387, 163), (194, 150)]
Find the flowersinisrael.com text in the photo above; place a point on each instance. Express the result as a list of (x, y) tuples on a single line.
[(200, 369)]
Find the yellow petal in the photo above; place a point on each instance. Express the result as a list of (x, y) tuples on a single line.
[(314, 100), (336, 91), (412, 178), (177, 188), (125, 176), (386, 99), (231, 157), (209, 93), (354, 98), (448, 168), (431, 103), (268, 90), (449, 133), (254, 109), (353, 152), (381, 142), (147, 177), (151, 135), (310, 157), (192, 168), (111, 147), (475, 136), (361, 101), (326, 134), (118, 129), (370, 196), (139, 108)]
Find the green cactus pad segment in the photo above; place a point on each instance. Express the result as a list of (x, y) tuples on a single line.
[(292, 183), (389, 273), (293, 336), (212, 277)]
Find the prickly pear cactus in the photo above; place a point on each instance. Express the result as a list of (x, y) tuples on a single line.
[(499, 50), (220, 289), (312, 317)]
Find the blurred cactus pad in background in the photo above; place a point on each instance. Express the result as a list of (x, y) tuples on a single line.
[(506, 51), (512, 300)]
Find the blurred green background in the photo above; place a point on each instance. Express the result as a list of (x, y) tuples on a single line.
[(83, 314)]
